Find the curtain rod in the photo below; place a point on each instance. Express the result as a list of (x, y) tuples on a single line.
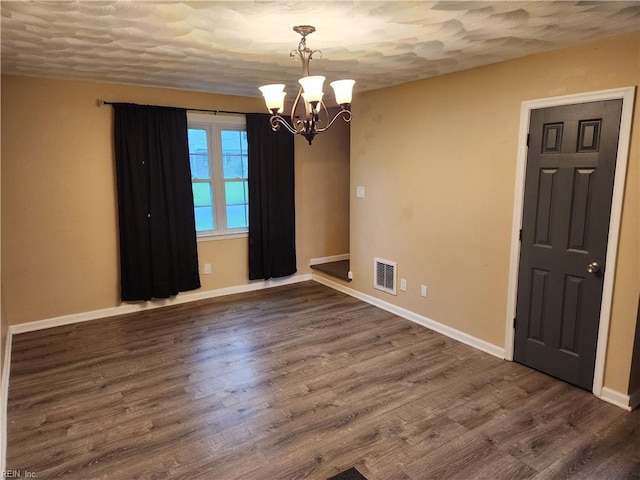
[(215, 112)]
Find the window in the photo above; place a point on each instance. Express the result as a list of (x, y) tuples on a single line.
[(218, 157)]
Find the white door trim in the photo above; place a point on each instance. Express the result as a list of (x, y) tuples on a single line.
[(627, 94)]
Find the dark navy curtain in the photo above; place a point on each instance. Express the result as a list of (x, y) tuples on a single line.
[(158, 250), (272, 222)]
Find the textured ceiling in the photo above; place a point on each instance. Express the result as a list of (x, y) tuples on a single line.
[(233, 47)]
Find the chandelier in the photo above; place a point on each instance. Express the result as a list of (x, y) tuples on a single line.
[(315, 118)]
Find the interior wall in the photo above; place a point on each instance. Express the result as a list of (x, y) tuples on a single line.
[(437, 159), (4, 328), (634, 380), (59, 210), (323, 193)]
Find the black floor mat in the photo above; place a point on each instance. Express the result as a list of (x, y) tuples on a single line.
[(350, 474)]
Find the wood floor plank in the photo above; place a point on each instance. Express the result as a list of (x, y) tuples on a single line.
[(296, 382)]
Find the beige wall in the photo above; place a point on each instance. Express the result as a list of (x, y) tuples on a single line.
[(4, 327), (59, 225), (634, 381), (322, 196), (437, 159)]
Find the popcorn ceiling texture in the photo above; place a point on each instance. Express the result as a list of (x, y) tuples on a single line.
[(232, 47)]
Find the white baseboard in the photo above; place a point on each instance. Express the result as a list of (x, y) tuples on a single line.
[(332, 258), (4, 397), (618, 399), (138, 307), (450, 332)]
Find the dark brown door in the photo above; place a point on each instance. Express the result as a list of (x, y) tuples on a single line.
[(567, 205)]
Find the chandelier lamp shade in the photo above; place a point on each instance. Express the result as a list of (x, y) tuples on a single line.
[(314, 118)]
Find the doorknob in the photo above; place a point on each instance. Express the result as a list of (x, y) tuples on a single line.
[(593, 267)]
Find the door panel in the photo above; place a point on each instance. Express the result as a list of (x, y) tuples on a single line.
[(567, 204)]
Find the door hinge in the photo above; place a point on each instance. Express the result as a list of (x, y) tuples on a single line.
[(528, 136), (514, 323), (520, 235)]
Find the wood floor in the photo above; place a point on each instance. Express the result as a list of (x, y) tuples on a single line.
[(339, 269), (296, 382)]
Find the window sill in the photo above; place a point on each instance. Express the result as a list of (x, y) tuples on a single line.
[(222, 236)]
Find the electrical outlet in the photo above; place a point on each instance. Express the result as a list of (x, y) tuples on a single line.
[(207, 268), (350, 275), (403, 284), (423, 290)]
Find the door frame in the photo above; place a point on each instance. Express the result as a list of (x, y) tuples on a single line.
[(627, 94)]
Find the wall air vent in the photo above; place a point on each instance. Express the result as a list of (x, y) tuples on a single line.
[(384, 275)]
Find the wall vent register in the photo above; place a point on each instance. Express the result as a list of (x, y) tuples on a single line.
[(384, 275)]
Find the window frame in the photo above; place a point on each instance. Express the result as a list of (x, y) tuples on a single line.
[(214, 124)]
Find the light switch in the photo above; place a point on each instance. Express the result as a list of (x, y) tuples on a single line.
[(360, 191)]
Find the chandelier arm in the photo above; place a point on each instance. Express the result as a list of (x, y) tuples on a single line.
[(323, 108), (346, 114), (277, 120), (294, 107)]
